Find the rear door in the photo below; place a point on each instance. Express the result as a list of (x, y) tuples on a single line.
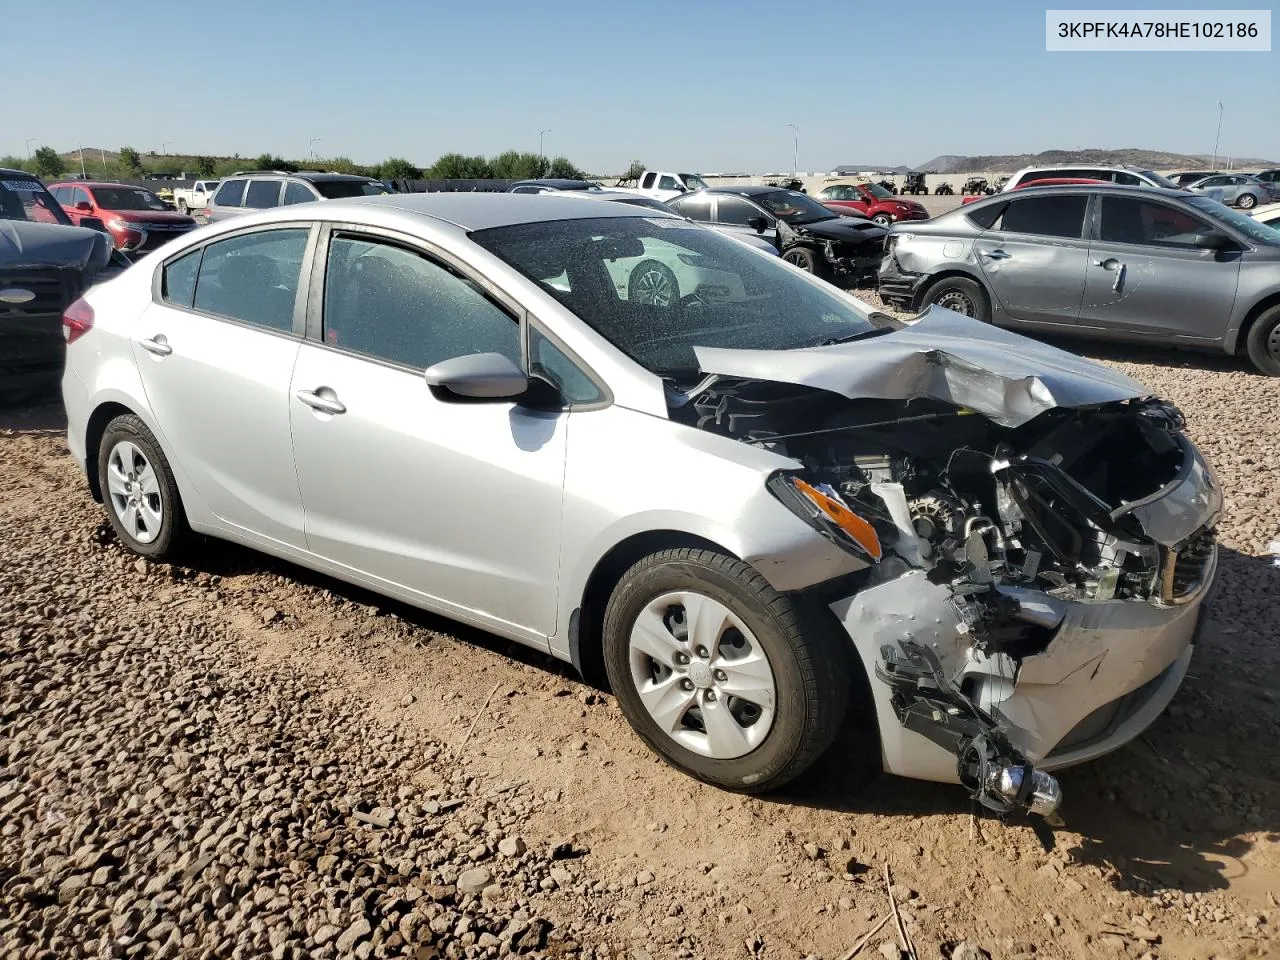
[(1034, 257), (1146, 276), (216, 350), (456, 505)]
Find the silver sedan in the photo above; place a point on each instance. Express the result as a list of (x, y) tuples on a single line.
[(1237, 190), (719, 504)]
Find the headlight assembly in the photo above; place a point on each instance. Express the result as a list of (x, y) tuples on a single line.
[(823, 509)]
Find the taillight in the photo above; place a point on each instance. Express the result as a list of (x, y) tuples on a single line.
[(77, 320)]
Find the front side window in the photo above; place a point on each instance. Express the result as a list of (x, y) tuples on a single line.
[(1045, 216), (230, 194), (879, 192), (693, 182), (792, 206), (253, 278), (668, 183), (735, 210), (127, 198), (295, 192), (730, 296), (262, 194), (1130, 220), (178, 284), (391, 303), (80, 195)]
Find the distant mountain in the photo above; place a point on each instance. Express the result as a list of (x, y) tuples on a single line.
[(1152, 159)]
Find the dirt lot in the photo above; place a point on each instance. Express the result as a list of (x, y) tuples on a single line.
[(241, 759)]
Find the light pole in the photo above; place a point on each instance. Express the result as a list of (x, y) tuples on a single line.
[(541, 133), (30, 140), (83, 175), (311, 152), (164, 147), (1217, 137), (795, 163)]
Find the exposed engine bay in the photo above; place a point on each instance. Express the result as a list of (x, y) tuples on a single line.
[(986, 532)]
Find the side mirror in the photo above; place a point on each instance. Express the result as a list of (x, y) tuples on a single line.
[(758, 223), (93, 223), (477, 376), (83, 205), (1212, 241)]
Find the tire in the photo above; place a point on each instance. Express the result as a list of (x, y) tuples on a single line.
[(962, 295), (653, 283), (1247, 201), (127, 456), (1263, 342), (182, 206), (807, 259), (883, 219), (806, 662)]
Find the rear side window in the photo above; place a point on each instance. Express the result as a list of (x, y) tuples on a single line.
[(647, 182), (178, 285), (253, 278), (1045, 216), (986, 216), (230, 194), (695, 208), (295, 192), (262, 194)]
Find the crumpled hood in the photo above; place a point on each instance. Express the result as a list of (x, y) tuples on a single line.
[(1008, 378), (855, 229), (24, 243)]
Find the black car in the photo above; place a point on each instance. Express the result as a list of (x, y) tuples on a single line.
[(45, 264), (807, 234)]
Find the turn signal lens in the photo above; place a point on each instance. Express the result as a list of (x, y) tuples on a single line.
[(824, 511)]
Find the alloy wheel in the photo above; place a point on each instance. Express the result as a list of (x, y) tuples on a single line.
[(653, 287), (702, 675), (134, 492)]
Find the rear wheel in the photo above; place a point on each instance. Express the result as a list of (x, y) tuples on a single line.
[(1263, 342), (722, 676), (653, 283), (961, 295), (139, 491), (1247, 201), (182, 206)]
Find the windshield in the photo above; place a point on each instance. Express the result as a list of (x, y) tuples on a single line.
[(793, 207), (656, 287), (1158, 179), (1250, 227), (341, 189), (879, 192), (127, 198), (23, 199), (693, 182)]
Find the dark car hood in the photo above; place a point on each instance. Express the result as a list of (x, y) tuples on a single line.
[(842, 228), (150, 216), (1007, 378), (24, 243)]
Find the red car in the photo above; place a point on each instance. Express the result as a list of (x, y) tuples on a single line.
[(1046, 182), (136, 218), (870, 200)]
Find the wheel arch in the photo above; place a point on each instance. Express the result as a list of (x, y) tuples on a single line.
[(1238, 345), (586, 622), (102, 415)]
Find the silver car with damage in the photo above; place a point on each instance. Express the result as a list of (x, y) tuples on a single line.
[(1123, 263), (749, 508)]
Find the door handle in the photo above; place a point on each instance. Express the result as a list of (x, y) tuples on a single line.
[(1109, 264), (157, 345), (324, 404), (997, 254)]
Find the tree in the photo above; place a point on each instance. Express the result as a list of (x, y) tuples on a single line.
[(205, 166), (561, 167), (266, 161), (131, 160), (635, 170), (456, 166), (49, 162), (397, 168), (514, 165)]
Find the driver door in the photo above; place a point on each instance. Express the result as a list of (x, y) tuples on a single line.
[(452, 506)]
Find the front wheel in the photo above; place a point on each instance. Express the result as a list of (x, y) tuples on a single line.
[(1247, 201), (960, 295), (139, 490), (182, 206), (722, 676), (1263, 343), (806, 258), (883, 219)]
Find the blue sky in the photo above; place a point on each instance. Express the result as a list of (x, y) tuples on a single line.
[(701, 86)]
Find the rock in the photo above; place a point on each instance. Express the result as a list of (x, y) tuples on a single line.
[(407, 700), (812, 851), (512, 847), (644, 878), (474, 880), (270, 615), (1050, 919), (69, 887), (777, 871), (890, 950), (353, 935), (968, 950), (324, 933)]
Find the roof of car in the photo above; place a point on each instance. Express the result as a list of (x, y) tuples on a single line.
[(311, 175), (96, 183), (747, 189), (481, 211), (11, 172), (1100, 187), (558, 183)]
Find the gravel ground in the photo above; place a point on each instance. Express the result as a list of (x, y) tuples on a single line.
[(242, 759)]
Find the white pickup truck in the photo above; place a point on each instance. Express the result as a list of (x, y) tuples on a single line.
[(662, 184), (197, 198)]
